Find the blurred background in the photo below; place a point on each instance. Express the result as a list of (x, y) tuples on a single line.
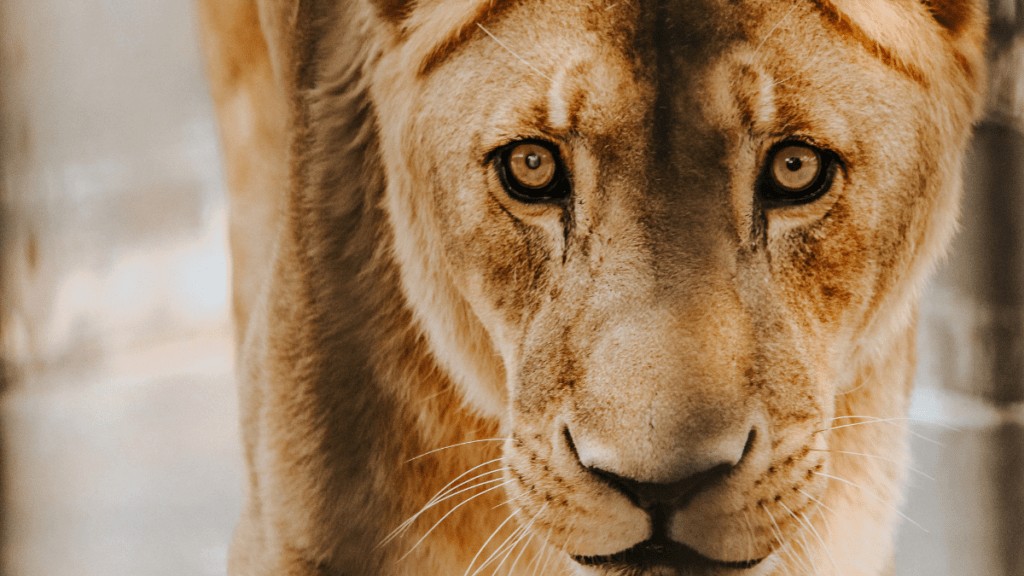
[(119, 451)]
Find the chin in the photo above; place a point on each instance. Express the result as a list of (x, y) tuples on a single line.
[(665, 558)]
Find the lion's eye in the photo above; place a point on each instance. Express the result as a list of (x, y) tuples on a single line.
[(531, 171), (797, 173)]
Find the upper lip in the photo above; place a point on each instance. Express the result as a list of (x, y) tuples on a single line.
[(660, 551)]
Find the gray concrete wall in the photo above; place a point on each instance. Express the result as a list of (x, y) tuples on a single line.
[(119, 453), (971, 375)]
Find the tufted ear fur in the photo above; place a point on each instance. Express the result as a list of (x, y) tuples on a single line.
[(966, 25), (957, 16), (393, 10)]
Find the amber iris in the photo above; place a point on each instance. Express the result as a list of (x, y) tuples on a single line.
[(532, 166), (795, 168)]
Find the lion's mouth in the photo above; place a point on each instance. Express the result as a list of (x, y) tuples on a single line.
[(660, 552)]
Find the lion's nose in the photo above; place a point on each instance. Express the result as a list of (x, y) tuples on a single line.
[(691, 471), (648, 495)]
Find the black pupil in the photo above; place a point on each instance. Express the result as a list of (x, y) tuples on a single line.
[(532, 161), (794, 164)]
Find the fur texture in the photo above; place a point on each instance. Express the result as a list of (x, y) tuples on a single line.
[(438, 379)]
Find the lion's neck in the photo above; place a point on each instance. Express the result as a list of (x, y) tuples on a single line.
[(363, 406), (376, 407)]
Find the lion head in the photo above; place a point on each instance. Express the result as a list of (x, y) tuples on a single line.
[(661, 242), (668, 250)]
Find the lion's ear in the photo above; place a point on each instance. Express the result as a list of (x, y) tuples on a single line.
[(393, 11), (957, 16)]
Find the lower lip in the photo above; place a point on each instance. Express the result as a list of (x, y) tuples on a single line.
[(651, 555)]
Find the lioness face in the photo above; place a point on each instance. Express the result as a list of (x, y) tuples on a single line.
[(670, 231)]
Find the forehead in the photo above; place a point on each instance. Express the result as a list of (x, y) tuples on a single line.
[(896, 33), (615, 58)]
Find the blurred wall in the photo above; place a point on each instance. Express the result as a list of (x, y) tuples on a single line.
[(110, 180), (979, 314), (120, 454), (970, 392)]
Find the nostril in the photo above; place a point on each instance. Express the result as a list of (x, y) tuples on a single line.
[(649, 495), (677, 492), (751, 437), (570, 443)]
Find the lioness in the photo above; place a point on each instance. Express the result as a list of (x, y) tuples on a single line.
[(602, 287)]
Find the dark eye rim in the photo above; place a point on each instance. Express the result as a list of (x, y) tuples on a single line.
[(773, 195), (557, 191)]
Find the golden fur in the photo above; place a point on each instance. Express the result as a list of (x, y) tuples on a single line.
[(407, 321)]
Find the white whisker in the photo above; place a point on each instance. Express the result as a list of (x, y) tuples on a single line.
[(751, 536), (511, 500), (876, 497), (451, 491), (450, 446), (518, 536), (449, 486), (823, 506), (442, 495), (877, 457), (522, 550), (805, 546), (774, 28), (897, 419), (824, 546), (803, 521), (526, 546), (449, 513), (548, 552), (894, 421), (506, 549), (513, 52), (466, 489), (808, 553), (775, 527), (548, 555), (484, 546), (535, 561), (785, 546), (408, 523)]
